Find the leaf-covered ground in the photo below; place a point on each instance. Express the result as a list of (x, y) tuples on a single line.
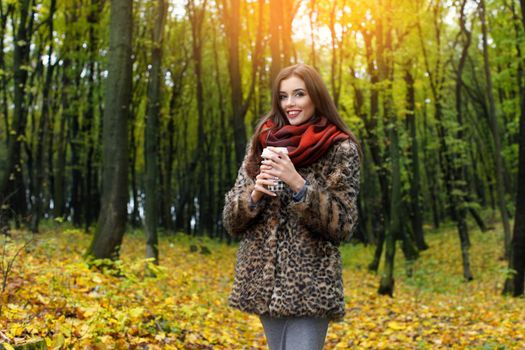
[(53, 294)]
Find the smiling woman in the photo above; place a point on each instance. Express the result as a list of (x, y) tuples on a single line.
[(288, 267)]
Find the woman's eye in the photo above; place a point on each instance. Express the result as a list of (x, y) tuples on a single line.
[(299, 94), (282, 97)]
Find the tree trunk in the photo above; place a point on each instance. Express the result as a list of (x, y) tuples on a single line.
[(12, 189), (196, 15), (460, 170), (151, 150), (88, 128), (112, 219), (417, 213), (515, 282), (385, 64), (498, 161), (276, 21), (4, 15), (40, 169)]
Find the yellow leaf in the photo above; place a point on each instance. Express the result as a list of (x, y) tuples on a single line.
[(136, 312), (396, 326), (7, 346), (16, 330), (58, 341), (97, 279)]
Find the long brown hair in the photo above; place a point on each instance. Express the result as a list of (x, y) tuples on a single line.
[(324, 106)]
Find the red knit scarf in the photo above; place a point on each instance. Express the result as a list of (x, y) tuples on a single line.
[(306, 142)]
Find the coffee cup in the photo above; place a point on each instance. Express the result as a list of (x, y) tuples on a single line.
[(279, 186)]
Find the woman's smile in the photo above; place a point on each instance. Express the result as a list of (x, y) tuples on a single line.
[(293, 113)]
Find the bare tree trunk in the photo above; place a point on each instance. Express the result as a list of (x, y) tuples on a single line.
[(112, 219), (196, 16), (151, 151), (68, 100), (288, 11), (416, 211), (460, 170), (40, 169), (276, 21), (386, 68), (515, 282), (498, 161), (12, 189), (4, 15), (89, 184)]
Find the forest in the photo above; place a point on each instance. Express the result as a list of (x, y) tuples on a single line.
[(124, 123)]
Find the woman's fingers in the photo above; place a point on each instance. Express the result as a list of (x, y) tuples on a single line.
[(264, 190), (273, 173), (264, 175), (268, 182)]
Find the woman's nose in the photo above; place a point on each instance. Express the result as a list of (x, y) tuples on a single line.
[(290, 101)]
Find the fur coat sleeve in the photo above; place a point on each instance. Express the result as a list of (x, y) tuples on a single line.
[(331, 209), (237, 212)]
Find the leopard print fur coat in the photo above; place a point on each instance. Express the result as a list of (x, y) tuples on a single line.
[(288, 260)]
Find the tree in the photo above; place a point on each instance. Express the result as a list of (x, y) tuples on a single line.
[(152, 129), (12, 188), (112, 218), (515, 282)]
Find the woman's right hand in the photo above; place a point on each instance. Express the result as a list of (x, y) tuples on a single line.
[(262, 180)]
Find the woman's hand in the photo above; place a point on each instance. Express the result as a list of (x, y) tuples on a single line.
[(280, 165), (262, 180)]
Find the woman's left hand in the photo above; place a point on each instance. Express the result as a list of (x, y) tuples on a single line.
[(280, 165)]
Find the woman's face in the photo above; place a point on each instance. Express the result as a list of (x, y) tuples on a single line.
[(295, 101)]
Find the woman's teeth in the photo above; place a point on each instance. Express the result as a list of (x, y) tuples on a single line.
[(293, 113)]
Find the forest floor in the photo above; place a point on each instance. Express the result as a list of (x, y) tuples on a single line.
[(51, 293)]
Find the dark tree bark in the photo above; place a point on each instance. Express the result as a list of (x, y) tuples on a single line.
[(430, 173), (224, 147), (460, 170), (112, 219), (43, 125), (68, 115), (89, 185), (386, 73), (416, 215), (4, 15), (196, 16), (239, 128), (515, 282), (12, 188), (151, 150)]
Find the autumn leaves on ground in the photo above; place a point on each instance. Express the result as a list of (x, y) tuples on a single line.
[(51, 293)]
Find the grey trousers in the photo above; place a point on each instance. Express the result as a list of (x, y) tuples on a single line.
[(294, 333)]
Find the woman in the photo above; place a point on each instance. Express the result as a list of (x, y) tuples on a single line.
[(288, 267)]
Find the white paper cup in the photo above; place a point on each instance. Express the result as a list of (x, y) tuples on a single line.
[(280, 184)]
